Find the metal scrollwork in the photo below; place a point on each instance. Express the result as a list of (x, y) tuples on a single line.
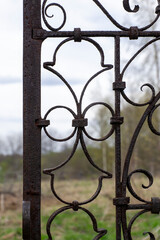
[(34, 35), (45, 128), (148, 113), (151, 126), (111, 130), (153, 205), (128, 8), (137, 53), (144, 85), (79, 123), (152, 237), (45, 15), (75, 207), (141, 104), (129, 185)]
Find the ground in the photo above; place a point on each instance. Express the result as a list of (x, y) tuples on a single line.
[(77, 225)]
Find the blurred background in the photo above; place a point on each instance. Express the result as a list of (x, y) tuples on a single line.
[(77, 62)]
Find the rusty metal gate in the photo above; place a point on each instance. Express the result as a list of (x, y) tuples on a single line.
[(34, 35)]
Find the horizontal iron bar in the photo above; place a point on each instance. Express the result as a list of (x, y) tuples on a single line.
[(42, 34), (139, 206)]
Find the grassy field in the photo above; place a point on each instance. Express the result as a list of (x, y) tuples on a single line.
[(77, 225)]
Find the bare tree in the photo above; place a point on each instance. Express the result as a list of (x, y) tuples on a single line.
[(148, 65), (14, 144)]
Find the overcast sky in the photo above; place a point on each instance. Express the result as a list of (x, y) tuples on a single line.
[(77, 70)]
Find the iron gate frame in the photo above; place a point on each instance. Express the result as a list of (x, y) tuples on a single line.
[(34, 35)]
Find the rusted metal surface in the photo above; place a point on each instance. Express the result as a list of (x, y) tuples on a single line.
[(26, 219), (34, 35), (31, 112)]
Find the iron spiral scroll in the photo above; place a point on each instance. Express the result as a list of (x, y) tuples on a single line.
[(80, 122)]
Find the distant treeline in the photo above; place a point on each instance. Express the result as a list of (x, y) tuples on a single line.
[(145, 155)]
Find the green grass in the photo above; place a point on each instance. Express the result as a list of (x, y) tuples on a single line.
[(10, 226), (71, 225), (78, 226), (146, 223)]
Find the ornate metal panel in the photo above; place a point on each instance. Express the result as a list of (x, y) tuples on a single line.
[(34, 35)]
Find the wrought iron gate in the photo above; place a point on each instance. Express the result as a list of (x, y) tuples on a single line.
[(34, 35)]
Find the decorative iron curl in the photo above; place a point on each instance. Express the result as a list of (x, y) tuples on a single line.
[(49, 65), (101, 232), (132, 222), (45, 14), (80, 138), (136, 54), (109, 175), (45, 129), (90, 40), (147, 84), (150, 120), (75, 205), (112, 128), (49, 171), (134, 139), (127, 7), (152, 237), (79, 115), (79, 123), (141, 104), (94, 196), (129, 185)]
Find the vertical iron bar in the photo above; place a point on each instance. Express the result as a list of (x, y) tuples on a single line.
[(31, 112), (117, 139)]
